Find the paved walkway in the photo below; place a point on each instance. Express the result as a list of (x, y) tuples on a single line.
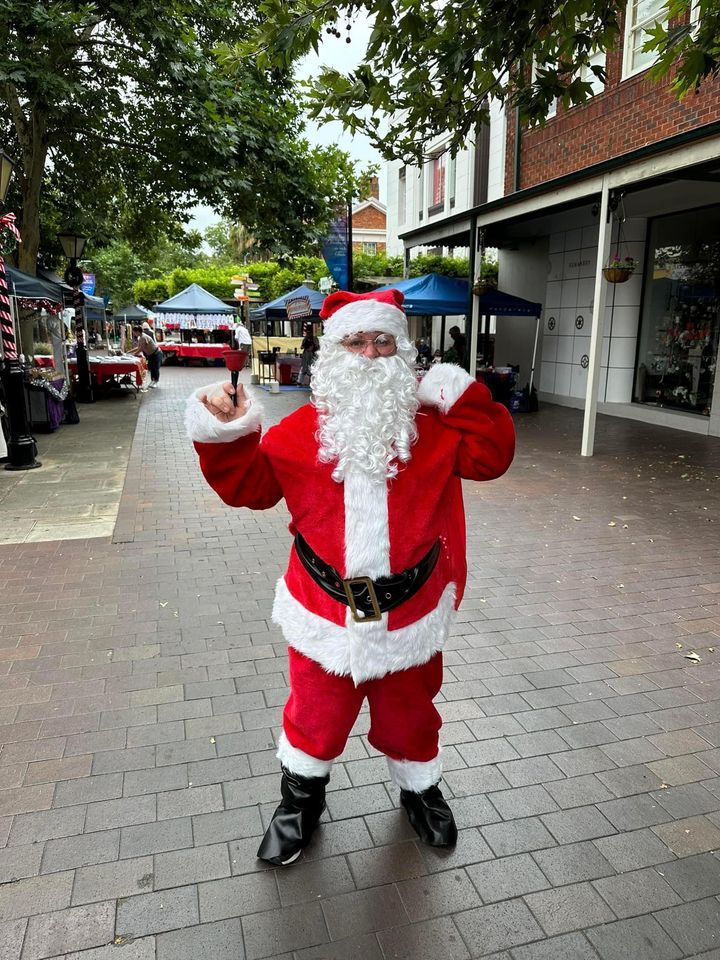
[(141, 684), (76, 493)]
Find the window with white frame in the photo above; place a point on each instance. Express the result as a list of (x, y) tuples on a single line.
[(597, 59), (421, 190), (552, 107), (452, 180), (640, 16), (402, 194), (370, 247)]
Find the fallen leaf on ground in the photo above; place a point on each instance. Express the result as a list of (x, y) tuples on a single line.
[(612, 524), (164, 603), (576, 518), (693, 656)]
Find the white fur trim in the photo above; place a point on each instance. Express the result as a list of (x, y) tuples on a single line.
[(297, 761), (367, 527), (363, 651), (363, 315), (203, 427), (443, 385), (414, 775)]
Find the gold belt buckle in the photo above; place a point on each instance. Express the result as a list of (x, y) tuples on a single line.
[(360, 616)]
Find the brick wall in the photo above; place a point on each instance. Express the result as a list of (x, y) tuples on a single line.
[(370, 218), (627, 115), (358, 246)]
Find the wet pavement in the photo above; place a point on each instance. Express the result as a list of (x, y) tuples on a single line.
[(142, 682)]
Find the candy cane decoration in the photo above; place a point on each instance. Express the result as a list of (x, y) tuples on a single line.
[(6, 324)]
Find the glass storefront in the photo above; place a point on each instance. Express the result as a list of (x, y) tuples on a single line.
[(680, 327)]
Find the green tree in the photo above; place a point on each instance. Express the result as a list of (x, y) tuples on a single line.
[(124, 114), (431, 67)]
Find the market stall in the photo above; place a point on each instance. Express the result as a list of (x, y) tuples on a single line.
[(108, 372), (194, 319)]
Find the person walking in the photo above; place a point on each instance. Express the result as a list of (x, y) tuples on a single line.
[(370, 470)]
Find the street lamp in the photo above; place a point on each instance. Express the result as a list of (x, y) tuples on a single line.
[(21, 445), (73, 245)]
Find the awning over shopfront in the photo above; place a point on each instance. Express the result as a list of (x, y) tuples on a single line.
[(277, 309), (194, 300), (433, 295)]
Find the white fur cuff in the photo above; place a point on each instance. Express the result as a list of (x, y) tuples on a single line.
[(443, 385), (202, 427), (299, 762), (414, 775)]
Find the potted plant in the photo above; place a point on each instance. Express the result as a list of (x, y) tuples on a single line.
[(619, 269)]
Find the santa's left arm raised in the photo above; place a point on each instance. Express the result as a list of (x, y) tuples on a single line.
[(487, 435), (231, 455)]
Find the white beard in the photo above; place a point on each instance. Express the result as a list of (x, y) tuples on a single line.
[(366, 410)]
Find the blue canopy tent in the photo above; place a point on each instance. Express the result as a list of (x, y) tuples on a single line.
[(94, 307), (437, 295), (277, 309), (32, 288), (194, 300), (196, 313), (433, 295)]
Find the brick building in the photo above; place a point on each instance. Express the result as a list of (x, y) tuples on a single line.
[(633, 172), (369, 223)]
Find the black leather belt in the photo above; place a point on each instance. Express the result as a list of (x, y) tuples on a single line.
[(368, 599)]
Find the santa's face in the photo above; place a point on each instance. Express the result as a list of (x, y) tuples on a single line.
[(365, 391)]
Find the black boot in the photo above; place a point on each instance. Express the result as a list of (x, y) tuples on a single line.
[(294, 821), (430, 816)]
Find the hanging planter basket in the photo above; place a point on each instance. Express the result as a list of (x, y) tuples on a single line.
[(617, 274), (482, 287)]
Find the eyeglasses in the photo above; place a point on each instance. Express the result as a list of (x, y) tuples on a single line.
[(383, 344)]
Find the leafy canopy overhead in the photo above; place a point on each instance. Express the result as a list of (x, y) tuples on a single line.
[(126, 114), (431, 66)]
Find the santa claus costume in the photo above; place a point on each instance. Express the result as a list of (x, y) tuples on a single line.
[(371, 473)]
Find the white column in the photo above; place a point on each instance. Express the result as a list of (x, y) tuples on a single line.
[(475, 318), (598, 325)]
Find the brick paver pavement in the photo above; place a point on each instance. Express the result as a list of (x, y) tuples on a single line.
[(141, 684)]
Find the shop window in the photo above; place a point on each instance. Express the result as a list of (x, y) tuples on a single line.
[(402, 195), (370, 248), (678, 344), (640, 16)]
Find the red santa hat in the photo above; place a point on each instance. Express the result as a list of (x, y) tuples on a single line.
[(345, 313)]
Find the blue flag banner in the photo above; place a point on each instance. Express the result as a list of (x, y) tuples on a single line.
[(335, 251), (88, 284)]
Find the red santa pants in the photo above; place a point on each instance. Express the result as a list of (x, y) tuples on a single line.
[(322, 709)]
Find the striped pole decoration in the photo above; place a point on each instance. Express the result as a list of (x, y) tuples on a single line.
[(7, 223)]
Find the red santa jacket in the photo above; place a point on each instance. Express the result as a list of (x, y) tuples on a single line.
[(362, 526)]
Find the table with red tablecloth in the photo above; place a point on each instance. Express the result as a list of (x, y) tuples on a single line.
[(194, 351), (113, 370)]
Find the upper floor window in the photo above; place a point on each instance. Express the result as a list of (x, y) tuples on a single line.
[(597, 59), (370, 248), (402, 194), (452, 180), (438, 181), (552, 107), (640, 15)]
